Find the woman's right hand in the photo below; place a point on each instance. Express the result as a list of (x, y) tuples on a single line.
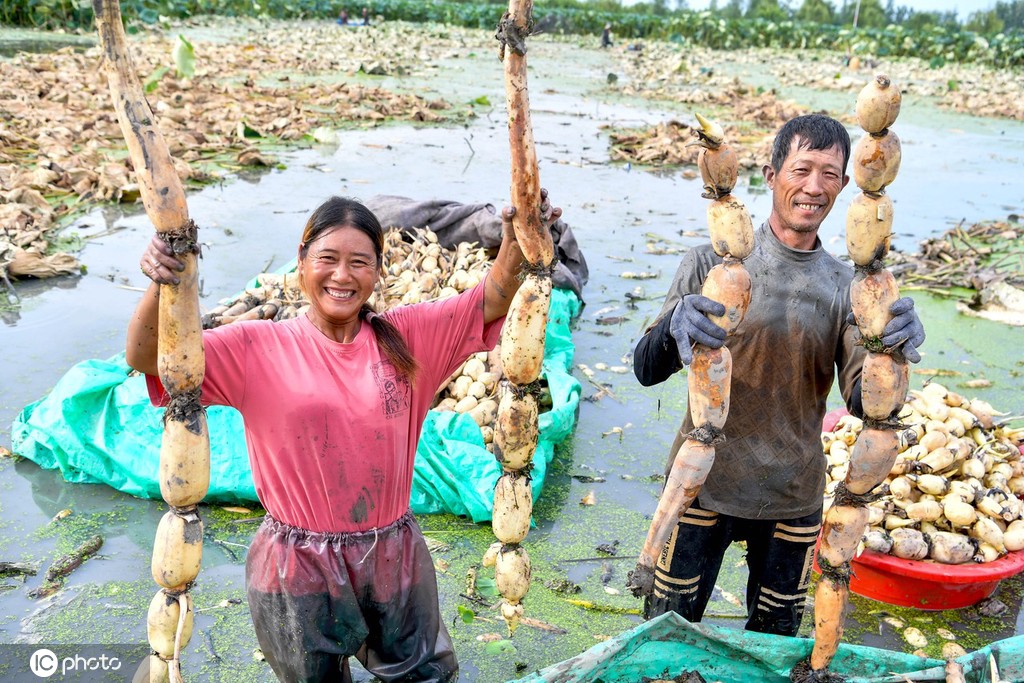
[(159, 263)]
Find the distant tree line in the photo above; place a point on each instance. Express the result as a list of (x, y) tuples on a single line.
[(1004, 15), (994, 37)]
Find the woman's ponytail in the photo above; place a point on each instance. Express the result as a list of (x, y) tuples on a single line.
[(392, 344)]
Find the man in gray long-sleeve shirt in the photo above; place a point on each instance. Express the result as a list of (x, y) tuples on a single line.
[(767, 481)]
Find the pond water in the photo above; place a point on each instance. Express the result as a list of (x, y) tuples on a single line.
[(954, 168), (13, 41)]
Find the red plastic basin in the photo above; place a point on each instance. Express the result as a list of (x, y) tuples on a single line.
[(929, 585), (831, 419)]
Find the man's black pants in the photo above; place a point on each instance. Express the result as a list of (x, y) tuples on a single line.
[(780, 554)]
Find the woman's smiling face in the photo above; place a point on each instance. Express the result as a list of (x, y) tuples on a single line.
[(338, 274)]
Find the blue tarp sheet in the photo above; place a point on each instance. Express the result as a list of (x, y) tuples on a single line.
[(666, 646)]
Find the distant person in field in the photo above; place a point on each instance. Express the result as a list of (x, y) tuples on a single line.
[(606, 36), (342, 18), (366, 17)]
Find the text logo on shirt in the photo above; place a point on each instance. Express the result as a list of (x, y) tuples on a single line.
[(394, 389)]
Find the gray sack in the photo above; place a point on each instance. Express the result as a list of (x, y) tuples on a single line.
[(454, 223)]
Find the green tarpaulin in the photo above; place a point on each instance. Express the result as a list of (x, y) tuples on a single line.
[(97, 426), (666, 646)]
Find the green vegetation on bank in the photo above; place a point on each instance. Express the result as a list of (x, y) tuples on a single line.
[(997, 39)]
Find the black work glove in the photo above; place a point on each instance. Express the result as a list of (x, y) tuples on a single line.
[(905, 328), (690, 325)]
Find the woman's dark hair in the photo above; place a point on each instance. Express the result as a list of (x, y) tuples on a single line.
[(344, 212), (815, 131)]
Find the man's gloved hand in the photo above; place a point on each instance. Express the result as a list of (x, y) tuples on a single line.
[(905, 328), (690, 325)]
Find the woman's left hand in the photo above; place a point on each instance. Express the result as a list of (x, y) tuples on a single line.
[(549, 215), (159, 263)]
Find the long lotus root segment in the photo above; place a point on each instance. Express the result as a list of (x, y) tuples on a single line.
[(885, 375)]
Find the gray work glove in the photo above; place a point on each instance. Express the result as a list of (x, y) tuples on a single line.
[(905, 328), (690, 325)]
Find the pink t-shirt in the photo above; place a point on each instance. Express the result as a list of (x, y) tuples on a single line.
[(331, 430)]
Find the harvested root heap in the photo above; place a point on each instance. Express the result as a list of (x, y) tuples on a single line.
[(522, 345), (417, 268), (710, 376), (953, 492), (885, 377), (185, 450)]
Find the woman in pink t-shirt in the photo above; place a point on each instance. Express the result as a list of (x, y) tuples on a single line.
[(333, 403)]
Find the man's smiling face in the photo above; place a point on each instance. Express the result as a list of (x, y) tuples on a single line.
[(805, 188)]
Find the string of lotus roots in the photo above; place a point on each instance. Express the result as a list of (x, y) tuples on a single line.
[(885, 376), (517, 431), (710, 374), (185, 450)]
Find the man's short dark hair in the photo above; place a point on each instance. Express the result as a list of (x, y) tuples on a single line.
[(816, 131)]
